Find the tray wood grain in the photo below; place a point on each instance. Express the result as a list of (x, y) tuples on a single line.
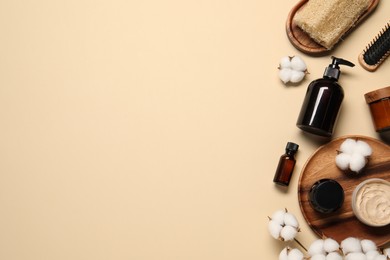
[(343, 223), (302, 41)]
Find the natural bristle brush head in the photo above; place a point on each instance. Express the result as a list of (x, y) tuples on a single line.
[(377, 50)]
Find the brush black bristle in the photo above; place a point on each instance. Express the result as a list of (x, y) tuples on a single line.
[(379, 47)]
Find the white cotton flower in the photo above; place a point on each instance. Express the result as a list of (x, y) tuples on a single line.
[(353, 155), (351, 245), (283, 255), (363, 148), (292, 69), (355, 256), (380, 257), (285, 75), (298, 64), (371, 255), (316, 247), (295, 254), (285, 62), (357, 162), (386, 252), (331, 245), (291, 254), (278, 216), (296, 76), (283, 225), (334, 256), (288, 233), (348, 146), (274, 229), (318, 257), (290, 220), (368, 245), (342, 160)]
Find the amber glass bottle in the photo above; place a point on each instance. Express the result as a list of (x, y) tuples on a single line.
[(286, 165), (322, 101)]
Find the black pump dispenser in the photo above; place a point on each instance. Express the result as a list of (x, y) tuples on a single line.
[(333, 70), (322, 101)]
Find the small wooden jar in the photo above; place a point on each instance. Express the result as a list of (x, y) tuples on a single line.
[(379, 103)]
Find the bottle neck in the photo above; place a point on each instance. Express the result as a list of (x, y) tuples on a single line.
[(290, 152), (330, 78), (332, 73)]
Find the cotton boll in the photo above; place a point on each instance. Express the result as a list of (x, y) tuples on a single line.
[(297, 76), (348, 146), (318, 257), (331, 245), (285, 75), (297, 63), (278, 216), (283, 255), (295, 254), (350, 245), (386, 252), (380, 257), (290, 220), (334, 256), (274, 229), (342, 161), (357, 162), (353, 155), (292, 69), (316, 248), (288, 233), (363, 148), (371, 255), (355, 256), (285, 62), (368, 245)]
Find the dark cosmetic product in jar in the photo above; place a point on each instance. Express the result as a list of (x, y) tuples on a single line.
[(322, 101), (326, 196), (379, 104), (286, 165)]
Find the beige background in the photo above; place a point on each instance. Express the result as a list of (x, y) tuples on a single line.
[(152, 129)]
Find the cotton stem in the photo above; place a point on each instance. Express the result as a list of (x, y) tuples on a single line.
[(300, 244)]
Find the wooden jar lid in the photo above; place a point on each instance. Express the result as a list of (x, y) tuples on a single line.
[(377, 95)]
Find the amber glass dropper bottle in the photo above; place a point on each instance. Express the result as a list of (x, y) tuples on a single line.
[(286, 165)]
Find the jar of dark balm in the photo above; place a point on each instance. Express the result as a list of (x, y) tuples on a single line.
[(326, 196)]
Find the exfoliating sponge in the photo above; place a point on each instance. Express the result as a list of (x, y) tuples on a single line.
[(327, 21)]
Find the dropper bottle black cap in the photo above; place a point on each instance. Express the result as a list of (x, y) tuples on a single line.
[(293, 147)]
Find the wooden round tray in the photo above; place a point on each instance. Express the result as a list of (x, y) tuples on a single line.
[(302, 41), (343, 223)]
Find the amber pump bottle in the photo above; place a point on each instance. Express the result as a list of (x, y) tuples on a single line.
[(322, 102), (286, 165)]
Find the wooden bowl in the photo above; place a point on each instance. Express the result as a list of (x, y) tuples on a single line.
[(302, 41), (343, 223)]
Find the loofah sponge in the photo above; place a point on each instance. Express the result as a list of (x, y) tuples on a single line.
[(327, 21)]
